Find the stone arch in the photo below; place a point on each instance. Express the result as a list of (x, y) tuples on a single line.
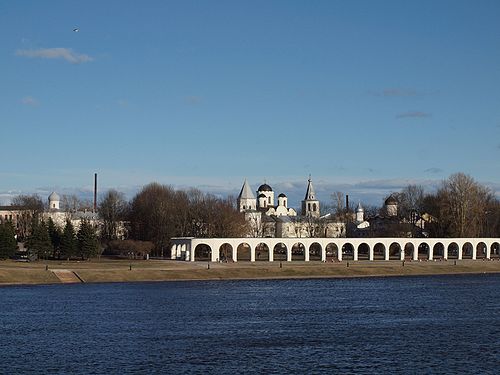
[(348, 251), (379, 251), (315, 252), (332, 252), (409, 250), (363, 251), (481, 250), (467, 250), (495, 250), (262, 252), (226, 252), (423, 251), (203, 252), (453, 249), (394, 251), (298, 251), (279, 251), (438, 251), (243, 252)]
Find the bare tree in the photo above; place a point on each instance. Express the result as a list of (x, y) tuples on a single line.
[(338, 200), (70, 203), (410, 200), (112, 210), (31, 207), (463, 205), (159, 212)]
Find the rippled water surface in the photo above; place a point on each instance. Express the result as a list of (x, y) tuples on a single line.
[(442, 324)]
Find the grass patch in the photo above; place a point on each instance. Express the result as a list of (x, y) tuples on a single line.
[(154, 270)]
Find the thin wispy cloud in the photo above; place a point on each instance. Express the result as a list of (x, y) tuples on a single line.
[(30, 101), (400, 92), (395, 91), (433, 170), (66, 54), (413, 114)]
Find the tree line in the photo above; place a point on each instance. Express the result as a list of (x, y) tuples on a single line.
[(459, 207), (155, 214)]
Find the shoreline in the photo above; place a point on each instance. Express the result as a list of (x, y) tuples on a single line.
[(105, 271)]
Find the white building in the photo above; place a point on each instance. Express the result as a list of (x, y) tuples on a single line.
[(268, 219)]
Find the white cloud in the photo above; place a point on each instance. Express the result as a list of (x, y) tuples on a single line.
[(31, 101), (55, 53)]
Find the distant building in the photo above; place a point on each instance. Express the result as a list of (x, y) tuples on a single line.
[(386, 223), (268, 219), (18, 214)]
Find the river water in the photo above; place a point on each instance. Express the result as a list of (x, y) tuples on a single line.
[(433, 324)]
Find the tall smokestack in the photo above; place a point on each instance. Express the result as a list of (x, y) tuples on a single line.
[(347, 202), (95, 192)]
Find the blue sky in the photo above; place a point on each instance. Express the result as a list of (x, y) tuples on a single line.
[(366, 96)]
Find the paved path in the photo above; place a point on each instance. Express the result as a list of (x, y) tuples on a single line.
[(67, 276)]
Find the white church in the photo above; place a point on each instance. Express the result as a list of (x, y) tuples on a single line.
[(268, 219)]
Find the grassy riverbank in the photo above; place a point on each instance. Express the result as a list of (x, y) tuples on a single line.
[(12, 272)]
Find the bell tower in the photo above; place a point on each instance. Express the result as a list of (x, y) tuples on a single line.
[(310, 205)]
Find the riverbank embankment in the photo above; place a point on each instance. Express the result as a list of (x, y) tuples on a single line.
[(104, 270)]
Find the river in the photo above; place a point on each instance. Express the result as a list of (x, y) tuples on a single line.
[(433, 324)]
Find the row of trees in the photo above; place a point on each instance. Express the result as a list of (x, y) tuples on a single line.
[(460, 207), (49, 241), (159, 212), (156, 214)]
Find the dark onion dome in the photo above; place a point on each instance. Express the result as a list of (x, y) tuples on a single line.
[(265, 187), (262, 196), (282, 195), (391, 201)]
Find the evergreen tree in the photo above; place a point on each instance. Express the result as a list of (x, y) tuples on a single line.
[(88, 245), (69, 244), (8, 243), (55, 237), (39, 241)]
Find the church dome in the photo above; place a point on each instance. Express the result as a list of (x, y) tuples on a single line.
[(54, 197), (282, 195), (391, 201), (265, 187)]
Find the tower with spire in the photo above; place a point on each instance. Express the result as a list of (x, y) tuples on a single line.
[(310, 205), (246, 199)]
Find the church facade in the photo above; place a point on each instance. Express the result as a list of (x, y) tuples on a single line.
[(268, 218)]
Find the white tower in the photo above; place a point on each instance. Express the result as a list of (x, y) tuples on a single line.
[(54, 201), (268, 192), (246, 200), (310, 205), (391, 206), (360, 213), (282, 200)]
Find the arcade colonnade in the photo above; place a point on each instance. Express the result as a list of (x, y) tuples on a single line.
[(332, 249)]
